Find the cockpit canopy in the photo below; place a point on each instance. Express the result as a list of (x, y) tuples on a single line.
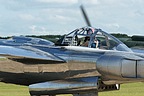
[(93, 38)]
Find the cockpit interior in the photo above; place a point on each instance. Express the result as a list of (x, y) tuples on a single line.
[(93, 38)]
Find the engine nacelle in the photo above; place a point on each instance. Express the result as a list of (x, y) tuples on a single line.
[(71, 86), (109, 65), (120, 66)]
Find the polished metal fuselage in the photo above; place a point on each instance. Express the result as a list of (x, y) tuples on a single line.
[(113, 66), (18, 70)]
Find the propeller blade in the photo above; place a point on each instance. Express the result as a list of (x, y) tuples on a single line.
[(85, 16)]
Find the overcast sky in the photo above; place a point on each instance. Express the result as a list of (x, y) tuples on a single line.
[(45, 17)]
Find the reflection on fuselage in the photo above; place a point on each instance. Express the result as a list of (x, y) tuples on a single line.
[(138, 50)]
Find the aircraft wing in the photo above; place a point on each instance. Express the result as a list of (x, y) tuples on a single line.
[(27, 52)]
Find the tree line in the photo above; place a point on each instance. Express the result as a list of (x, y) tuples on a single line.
[(52, 37)]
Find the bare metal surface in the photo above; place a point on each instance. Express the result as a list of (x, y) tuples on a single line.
[(27, 61), (71, 86), (87, 94)]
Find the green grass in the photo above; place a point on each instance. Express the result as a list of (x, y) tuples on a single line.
[(13, 90), (2, 58), (131, 89)]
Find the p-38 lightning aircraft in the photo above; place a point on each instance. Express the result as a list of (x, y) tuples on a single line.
[(84, 62)]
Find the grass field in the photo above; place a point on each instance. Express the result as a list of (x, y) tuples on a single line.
[(13, 90), (131, 89)]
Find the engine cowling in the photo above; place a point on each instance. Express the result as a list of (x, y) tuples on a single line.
[(119, 66)]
